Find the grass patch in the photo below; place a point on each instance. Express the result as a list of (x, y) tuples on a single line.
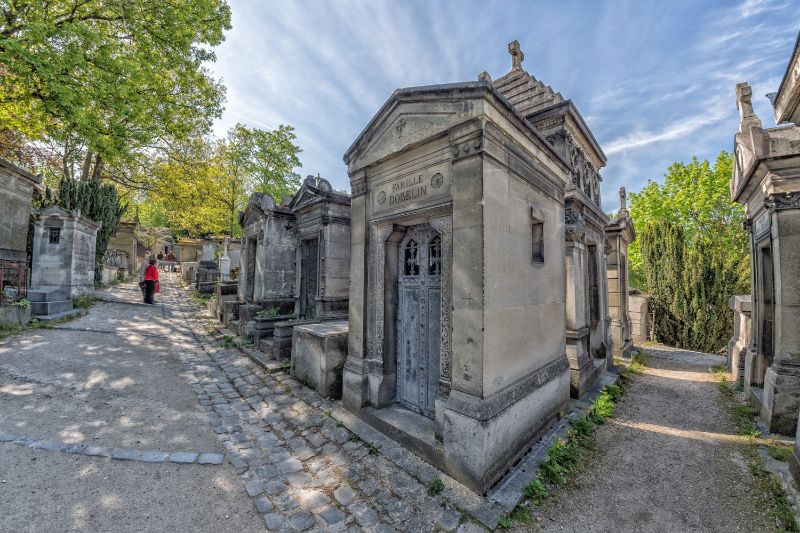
[(201, 297), (435, 486), (7, 330), (82, 302), (228, 341), (743, 416), (268, 313), (565, 456)]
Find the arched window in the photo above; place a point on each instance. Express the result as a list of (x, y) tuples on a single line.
[(435, 256), (411, 259)]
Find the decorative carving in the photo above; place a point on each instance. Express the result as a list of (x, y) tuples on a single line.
[(444, 225), (748, 225), (464, 148), (381, 197), (574, 225), (784, 200), (357, 189), (622, 203), (436, 180), (606, 245), (377, 264)]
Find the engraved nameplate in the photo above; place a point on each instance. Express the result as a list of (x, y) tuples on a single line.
[(410, 191)]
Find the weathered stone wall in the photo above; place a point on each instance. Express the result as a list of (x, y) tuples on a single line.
[(16, 193)]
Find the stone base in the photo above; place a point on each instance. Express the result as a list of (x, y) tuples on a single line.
[(49, 301), (16, 316), (497, 443), (318, 355), (780, 403), (582, 380), (735, 359)]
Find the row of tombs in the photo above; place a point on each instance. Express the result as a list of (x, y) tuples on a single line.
[(469, 286)]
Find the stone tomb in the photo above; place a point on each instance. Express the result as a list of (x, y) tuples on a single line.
[(457, 295), (766, 180), (17, 188), (619, 234), (63, 259), (587, 327), (318, 355), (322, 218)]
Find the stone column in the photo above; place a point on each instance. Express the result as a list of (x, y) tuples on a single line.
[(354, 391), (225, 263), (580, 360), (782, 379)]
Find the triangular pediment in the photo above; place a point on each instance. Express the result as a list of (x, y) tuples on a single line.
[(412, 116)]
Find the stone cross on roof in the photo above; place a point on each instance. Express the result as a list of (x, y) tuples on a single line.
[(517, 57), (622, 203)]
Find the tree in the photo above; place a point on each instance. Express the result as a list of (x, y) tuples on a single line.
[(696, 198), (201, 186), (109, 80), (691, 254)]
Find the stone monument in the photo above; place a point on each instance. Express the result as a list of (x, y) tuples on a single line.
[(17, 188), (766, 180), (63, 259), (619, 234), (225, 263), (457, 282)]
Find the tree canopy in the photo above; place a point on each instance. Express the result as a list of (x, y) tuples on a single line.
[(695, 196), (104, 81), (204, 183)]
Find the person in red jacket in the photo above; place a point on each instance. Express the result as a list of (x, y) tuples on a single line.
[(150, 281)]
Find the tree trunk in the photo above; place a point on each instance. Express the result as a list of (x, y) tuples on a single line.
[(87, 165), (98, 167)]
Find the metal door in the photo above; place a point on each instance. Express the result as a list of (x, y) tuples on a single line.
[(419, 318), (310, 274)]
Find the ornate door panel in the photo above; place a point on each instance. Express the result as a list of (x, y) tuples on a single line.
[(419, 319), (310, 276)]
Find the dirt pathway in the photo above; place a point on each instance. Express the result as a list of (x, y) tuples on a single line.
[(668, 461)]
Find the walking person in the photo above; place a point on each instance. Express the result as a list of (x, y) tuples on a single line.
[(150, 282), (142, 269)]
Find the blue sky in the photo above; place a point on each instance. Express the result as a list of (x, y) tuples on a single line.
[(654, 80)]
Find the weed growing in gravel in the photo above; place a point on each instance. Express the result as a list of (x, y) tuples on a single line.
[(201, 297), (564, 456), (743, 415), (779, 451), (82, 302), (228, 341), (435, 486)]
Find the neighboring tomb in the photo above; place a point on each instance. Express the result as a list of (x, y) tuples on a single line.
[(322, 218), (587, 327), (742, 331), (766, 180), (457, 298), (318, 355), (639, 312), (123, 248), (267, 258), (17, 188), (63, 260), (620, 233)]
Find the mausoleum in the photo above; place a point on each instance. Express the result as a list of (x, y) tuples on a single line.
[(766, 180), (458, 290), (619, 235)]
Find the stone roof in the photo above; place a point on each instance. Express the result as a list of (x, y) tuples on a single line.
[(527, 94), (786, 102)]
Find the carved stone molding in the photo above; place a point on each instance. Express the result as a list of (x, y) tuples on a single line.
[(444, 225), (747, 224), (574, 225), (375, 299), (465, 148), (357, 189), (783, 200)]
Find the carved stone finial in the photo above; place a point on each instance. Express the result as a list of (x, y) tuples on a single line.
[(517, 57), (622, 203), (744, 103), (484, 76)]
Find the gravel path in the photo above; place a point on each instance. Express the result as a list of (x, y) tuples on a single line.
[(668, 461)]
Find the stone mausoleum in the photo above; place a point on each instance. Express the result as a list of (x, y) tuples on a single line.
[(766, 180), (17, 188), (459, 296)]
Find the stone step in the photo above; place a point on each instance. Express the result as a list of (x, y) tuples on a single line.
[(47, 294), (51, 307), (63, 314)]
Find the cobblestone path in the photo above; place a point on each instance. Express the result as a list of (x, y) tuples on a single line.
[(302, 469)]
